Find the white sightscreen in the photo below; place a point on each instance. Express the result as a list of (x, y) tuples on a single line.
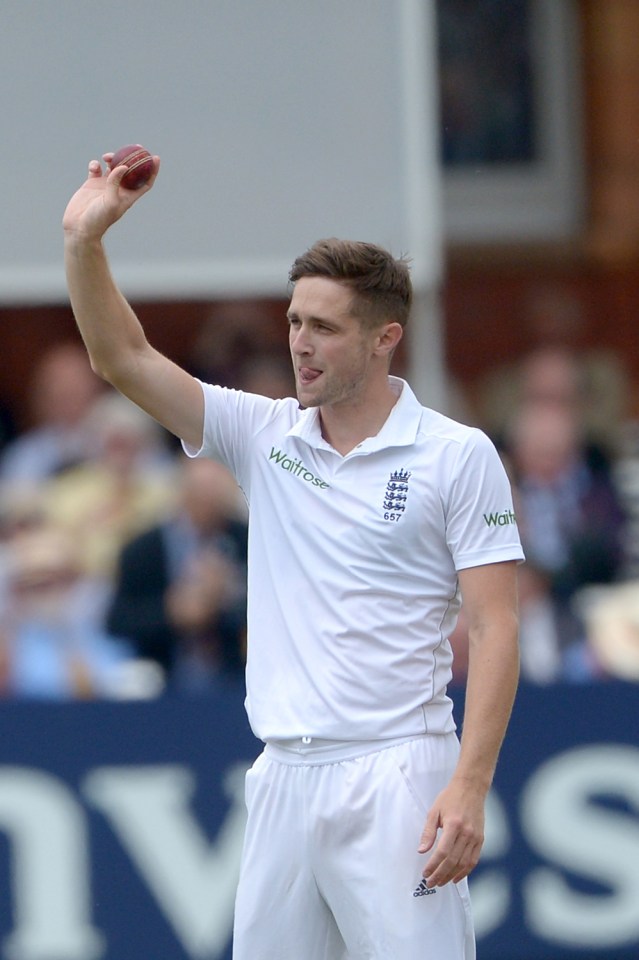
[(278, 122)]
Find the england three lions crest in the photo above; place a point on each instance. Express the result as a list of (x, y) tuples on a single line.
[(396, 495)]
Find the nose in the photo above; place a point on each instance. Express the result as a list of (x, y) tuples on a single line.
[(300, 342)]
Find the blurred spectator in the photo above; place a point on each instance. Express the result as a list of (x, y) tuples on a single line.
[(235, 332), (553, 375), (571, 523), (125, 488), (539, 637), (269, 375), (48, 648), (556, 374), (181, 585), (63, 391), (21, 510), (612, 622), (626, 473), (557, 365)]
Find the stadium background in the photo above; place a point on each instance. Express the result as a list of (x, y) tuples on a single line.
[(336, 106)]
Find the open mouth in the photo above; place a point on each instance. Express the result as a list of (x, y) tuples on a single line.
[(308, 374)]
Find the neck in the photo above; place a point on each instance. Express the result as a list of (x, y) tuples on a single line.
[(344, 427)]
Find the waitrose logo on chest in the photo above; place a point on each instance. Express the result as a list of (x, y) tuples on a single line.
[(297, 468)]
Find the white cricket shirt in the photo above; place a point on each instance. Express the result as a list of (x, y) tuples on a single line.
[(353, 561)]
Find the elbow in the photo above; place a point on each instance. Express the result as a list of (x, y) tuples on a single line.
[(115, 370), (105, 372), (100, 369)]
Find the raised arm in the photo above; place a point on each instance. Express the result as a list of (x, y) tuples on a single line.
[(118, 348), (489, 595)]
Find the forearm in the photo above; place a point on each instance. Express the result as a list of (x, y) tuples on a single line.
[(112, 333), (116, 343), (458, 811), (493, 673)]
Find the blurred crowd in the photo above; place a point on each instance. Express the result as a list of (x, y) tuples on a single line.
[(123, 562), (561, 417)]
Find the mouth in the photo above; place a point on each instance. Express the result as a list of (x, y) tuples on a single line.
[(308, 375)]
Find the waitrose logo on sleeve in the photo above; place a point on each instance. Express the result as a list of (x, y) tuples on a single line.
[(504, 519)]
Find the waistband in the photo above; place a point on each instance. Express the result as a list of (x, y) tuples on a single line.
[(311, 750)]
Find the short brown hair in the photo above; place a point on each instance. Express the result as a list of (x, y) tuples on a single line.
[(381, 284)]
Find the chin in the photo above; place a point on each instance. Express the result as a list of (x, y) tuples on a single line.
[(307, 401), (306, 398)]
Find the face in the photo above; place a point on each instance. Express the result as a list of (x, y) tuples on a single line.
[(547, 441), (332, 353), (209, 494), (65, 387)]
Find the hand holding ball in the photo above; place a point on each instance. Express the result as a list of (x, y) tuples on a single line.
[(139, 162)]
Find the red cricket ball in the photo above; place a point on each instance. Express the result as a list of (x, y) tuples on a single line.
[(140, 164)]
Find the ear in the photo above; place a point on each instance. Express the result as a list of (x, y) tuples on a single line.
[(387, 339)]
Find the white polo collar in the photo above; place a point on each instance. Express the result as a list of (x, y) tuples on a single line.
[(399, 430)]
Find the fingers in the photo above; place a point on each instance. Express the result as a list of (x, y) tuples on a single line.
[(446, 865), (114, 175), (454, 833), (459, 840), (429, 834), (95, 167), (110, 169)]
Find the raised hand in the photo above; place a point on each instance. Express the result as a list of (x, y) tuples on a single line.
[(101, 200)]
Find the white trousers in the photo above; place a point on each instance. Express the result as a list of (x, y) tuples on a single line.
[(330, 869)]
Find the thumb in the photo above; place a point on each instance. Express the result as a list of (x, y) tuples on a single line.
[(429, 833)]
